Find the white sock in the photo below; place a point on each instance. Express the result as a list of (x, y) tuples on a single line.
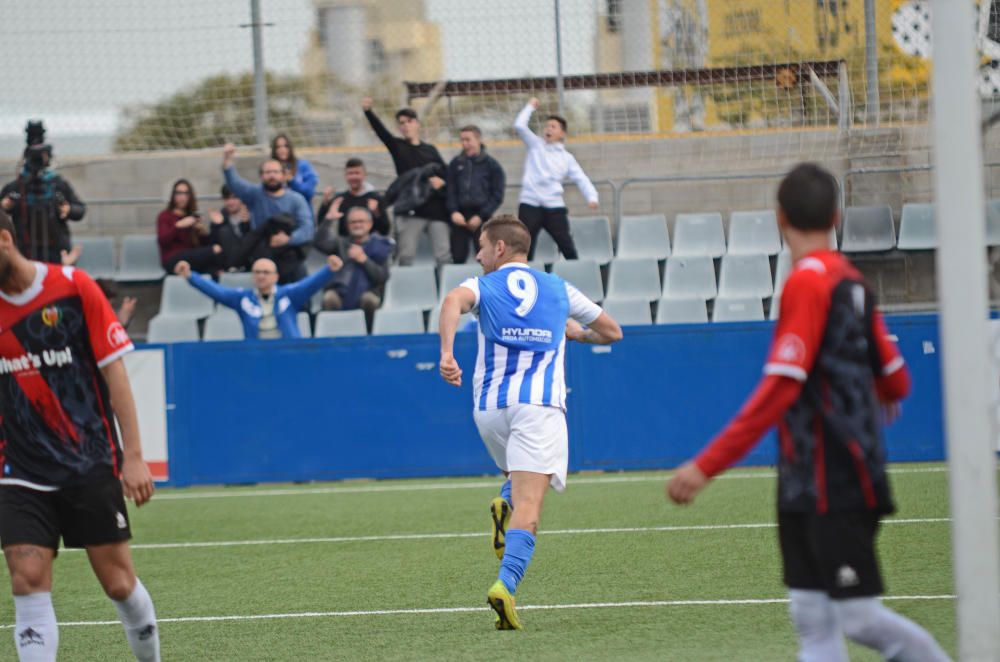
[(139, 618), (870, 623), (817, 627), (36, 634)]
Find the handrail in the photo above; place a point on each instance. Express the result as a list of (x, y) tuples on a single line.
[(687, 178)]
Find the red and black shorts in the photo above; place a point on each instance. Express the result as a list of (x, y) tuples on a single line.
[(84, 516), (834, 553)]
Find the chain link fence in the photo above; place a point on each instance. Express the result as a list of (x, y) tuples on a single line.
[(143, 77)]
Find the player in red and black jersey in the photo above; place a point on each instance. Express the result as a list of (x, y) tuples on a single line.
[(832, 376), (64, 472)]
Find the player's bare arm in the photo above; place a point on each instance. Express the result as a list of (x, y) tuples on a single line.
[(136, 479), (458, 302), (602, 331)]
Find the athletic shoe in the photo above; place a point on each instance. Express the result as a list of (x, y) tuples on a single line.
[(502, 602), (500, 510)]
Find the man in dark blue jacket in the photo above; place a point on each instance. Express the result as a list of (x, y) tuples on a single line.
[(475, 190), (361, 281)]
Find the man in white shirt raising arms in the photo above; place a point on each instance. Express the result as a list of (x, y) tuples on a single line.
[(546, 165)]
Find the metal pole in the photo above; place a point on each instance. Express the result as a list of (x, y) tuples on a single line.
[(259, 85), (871, 65), (559, 67), (846, 107), (961, 280)]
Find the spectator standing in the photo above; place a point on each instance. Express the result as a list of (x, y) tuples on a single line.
[(359, 193), (183, 235), (40, 202), (361, 283), (268, 311), (546, 165), (475, 191), (283, 242), (409, 153), (303, 177)]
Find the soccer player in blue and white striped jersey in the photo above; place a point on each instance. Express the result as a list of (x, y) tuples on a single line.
[(519, 389)]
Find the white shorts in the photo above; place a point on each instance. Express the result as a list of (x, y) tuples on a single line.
[(525, 437)]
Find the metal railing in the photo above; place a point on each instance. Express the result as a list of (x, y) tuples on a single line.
[(891, 170), (618, 189), (675, 179)]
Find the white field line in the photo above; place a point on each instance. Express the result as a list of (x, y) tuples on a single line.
[(463, 610), (478, 534), (471, 485)]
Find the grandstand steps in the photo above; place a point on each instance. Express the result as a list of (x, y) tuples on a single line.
[(126, 192)]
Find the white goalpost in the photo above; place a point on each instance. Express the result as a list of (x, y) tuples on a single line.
[(962, 292)]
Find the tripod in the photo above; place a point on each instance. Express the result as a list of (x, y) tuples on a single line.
[(39, 219)]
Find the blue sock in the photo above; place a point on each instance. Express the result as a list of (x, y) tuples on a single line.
[(520, 545), (505, 492)]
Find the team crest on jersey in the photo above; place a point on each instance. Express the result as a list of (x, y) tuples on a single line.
[(790, 349), (51, 315), (117, 337)]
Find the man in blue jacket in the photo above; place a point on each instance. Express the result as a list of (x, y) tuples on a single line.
[(268, 311)]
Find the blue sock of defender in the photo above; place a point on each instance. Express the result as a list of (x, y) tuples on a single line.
[(505, 492), (520, 545)]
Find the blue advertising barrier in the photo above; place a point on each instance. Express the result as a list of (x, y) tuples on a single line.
[(375, 407)]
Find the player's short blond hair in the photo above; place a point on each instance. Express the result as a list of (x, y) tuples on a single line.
[(511, 230)]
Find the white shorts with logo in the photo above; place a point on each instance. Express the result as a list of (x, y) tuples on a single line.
[(525, 437)]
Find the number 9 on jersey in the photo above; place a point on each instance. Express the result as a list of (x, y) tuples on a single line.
[(523, 287)]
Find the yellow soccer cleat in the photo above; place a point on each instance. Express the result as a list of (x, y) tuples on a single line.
[(500, 510), (502, 602)]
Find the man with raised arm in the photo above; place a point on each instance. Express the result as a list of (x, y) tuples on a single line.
[(547, 165)]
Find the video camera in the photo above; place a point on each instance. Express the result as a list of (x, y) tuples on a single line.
[(38, 153)]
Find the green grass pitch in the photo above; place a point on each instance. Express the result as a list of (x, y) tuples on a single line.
[(331, 572)]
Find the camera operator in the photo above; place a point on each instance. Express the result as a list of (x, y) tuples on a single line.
[(41, 202)]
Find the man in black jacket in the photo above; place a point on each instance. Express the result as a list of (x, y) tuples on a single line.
[(41, 203), (475, 191), (407, 153)]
